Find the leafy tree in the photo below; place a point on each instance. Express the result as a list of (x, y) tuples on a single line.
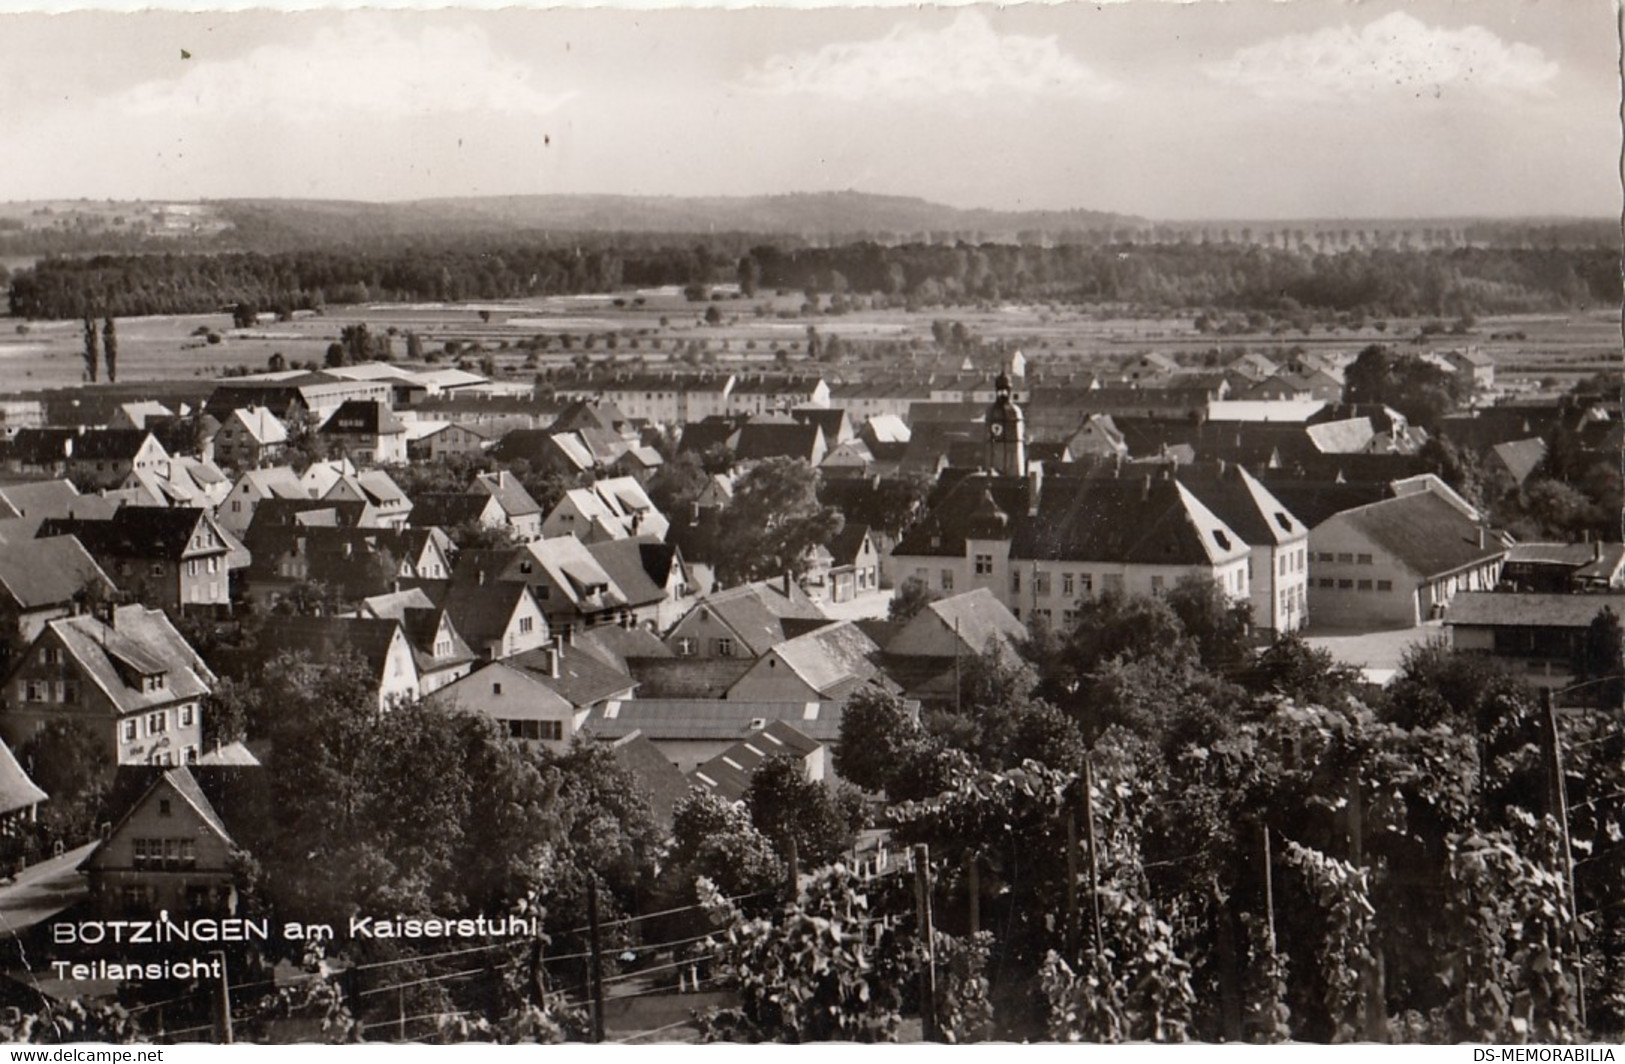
[(110, 349), (715, 839), (1219, 624), (911, 596), (1289, 666), (228, 710), (785, 805), (1600, 660), (879, 733), (92, 354), (775, 520), (73, 764)]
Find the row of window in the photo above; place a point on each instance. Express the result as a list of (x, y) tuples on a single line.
[(157, 722), (720, 648), (195, 566), (66, 691), (544, 730), (170, 855), (1328, 584), (1293, 561), (1345, 558)]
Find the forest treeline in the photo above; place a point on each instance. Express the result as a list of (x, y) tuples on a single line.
[(1380, 281)]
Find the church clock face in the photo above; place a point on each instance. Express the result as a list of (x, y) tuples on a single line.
[(996, 430)]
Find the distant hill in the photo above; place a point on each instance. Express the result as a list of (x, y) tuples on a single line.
[(819, 217)]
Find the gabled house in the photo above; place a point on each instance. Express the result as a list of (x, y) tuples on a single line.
[(128, 675), (42, 580), (497, 618), (1278, 568), (445, 438), (1540, 635), (763, 439), (1398, 562), (745, 621), (520, 512), (250, 437), (614, 508), (186, 481), (728, 775), (452, 509), (379, 644), (518, 700), (367, 432), (378, 489), (164, 556), (170, 851), (690, 732), (574, 591), (827, 665), (440, 652), (254, 486), (651, 578), (1041, 544), (854, 563), (583, 679), (1564, 567), (91, 458)]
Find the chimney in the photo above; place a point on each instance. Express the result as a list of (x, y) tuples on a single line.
[(1596, 550), (482, 578), (1145, 487), (553, 659), (1482, 538), (788, 580)]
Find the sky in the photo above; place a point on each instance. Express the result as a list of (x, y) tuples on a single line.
[(1250, 109)]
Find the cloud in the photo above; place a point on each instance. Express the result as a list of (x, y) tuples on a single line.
[(1396, 53), (361, 69), (912, 64)]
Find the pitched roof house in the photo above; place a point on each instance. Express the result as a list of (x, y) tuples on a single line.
[(129, 675)]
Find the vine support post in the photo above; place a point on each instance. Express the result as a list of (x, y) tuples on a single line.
[(1071, 887), (596, 977), (928, 936), (225, 999), (1094, 858), (973, 889), (793, 859), (1269, 891), (1557, 805), (1376, 1013)]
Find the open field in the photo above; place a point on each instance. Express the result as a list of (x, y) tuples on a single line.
[(655, 325)]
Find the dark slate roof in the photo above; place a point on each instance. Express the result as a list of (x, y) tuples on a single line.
[(728, 775), (508, 492), (701, 436), (1140, 520), (292, 513), (1424, 533), (583, 679), (613, 645), (53, 444), (134, 532), (1521, 609), (1521, 457), (481, 611), (976, 507), (702, 719), (758, 440), (1314, 501), (1241, 502), (47, 572), (447, 510), (364, 416), (590, 414), (624, 561), (847, 544), (757, 612), (41, 498), (325, 638), (659, 780)]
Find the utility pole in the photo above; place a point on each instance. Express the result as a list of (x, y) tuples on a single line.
[(597, 960), (928, 972)]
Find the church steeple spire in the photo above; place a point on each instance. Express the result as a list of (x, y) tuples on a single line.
[(1006, 431)]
